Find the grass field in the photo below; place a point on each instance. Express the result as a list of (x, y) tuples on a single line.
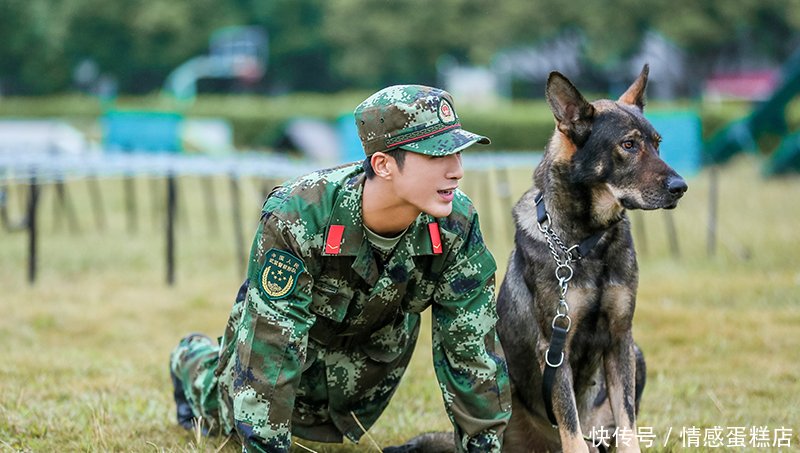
[(84, 354)]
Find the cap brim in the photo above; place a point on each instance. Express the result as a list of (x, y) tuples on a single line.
[(449, 142)]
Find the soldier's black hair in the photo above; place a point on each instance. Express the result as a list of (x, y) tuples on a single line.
[(398, 154)]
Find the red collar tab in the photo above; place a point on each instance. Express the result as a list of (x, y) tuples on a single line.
[(333, 241), (436, 240)]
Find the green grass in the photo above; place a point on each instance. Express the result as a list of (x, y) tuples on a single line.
[(84, 354)]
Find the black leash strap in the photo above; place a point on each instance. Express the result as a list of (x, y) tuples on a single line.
[(563, 256), (586, 245), (541, 211), (553, 359)]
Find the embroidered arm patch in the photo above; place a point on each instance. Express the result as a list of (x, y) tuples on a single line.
[(280, 272)]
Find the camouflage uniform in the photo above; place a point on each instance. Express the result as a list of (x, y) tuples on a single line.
[(323, 328)]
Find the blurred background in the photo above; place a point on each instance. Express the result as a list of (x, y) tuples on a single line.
[(268, 74), (139, 138), (311, 45)]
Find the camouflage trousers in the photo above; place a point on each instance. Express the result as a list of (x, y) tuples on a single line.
[(340, 387), (193, 361)]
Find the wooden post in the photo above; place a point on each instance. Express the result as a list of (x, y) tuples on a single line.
[(33, 201), (171, 200), (641, 234), (4, 207), (211, 205), (713, 202), (129, 185), (97, 202), (672, 235), (484, 189), (504, 191), (155, 195), (58, 205), (183, 207), (63, 207), (237, 224)]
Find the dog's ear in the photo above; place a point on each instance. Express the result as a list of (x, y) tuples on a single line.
[(573, 114), (635, 93)]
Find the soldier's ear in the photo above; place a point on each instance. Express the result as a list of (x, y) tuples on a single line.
[(382, 165)]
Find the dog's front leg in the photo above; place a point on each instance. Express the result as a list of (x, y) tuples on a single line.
[(620, 371), (566, 411)]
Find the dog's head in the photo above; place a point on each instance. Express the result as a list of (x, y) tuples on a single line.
[(611, 147)]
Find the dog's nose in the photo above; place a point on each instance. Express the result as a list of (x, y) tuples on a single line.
[(676, 185)]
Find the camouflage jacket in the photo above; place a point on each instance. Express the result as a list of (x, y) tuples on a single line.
[(340, 292)]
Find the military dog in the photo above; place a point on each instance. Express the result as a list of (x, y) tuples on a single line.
[(567, 300)]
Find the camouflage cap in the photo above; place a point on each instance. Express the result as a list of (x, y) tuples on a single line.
[(412, 117)]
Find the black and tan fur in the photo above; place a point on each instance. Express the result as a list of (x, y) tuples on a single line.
[(602, 160)]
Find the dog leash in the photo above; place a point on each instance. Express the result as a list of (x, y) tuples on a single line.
[(554, 357)]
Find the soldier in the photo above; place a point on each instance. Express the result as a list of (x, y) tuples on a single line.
[(343, 262)]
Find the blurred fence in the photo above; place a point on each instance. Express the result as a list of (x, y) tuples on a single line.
[(30, 174), (52, 168)]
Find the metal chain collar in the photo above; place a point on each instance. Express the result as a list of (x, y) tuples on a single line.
[(564, 271)]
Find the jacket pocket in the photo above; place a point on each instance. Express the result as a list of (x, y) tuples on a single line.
[(330, 299)]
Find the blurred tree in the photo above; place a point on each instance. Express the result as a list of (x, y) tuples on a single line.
[(387, 42), (299, 53), (139, 43), (379, 43), (32, 34), (706, 28), (326, 45)]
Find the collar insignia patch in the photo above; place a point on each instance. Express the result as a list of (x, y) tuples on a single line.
[(333, 241), (436, 240)]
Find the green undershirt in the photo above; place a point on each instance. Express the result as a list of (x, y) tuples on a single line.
[(382, 244)]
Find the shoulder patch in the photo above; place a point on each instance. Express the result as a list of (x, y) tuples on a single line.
[(280, 272)]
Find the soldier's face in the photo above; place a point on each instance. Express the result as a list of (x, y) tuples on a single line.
[(429, 183)]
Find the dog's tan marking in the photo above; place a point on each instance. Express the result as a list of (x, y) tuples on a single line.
[(606, 207), (577, 298), (631, 194), (526, 433), (574, 443), (618, 303), (617, 395), (561, 143), (635, 93)]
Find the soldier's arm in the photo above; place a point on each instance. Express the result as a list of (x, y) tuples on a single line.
[(467, 356), (271, 341)]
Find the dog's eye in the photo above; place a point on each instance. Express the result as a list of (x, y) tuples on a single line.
[(628, 145)]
